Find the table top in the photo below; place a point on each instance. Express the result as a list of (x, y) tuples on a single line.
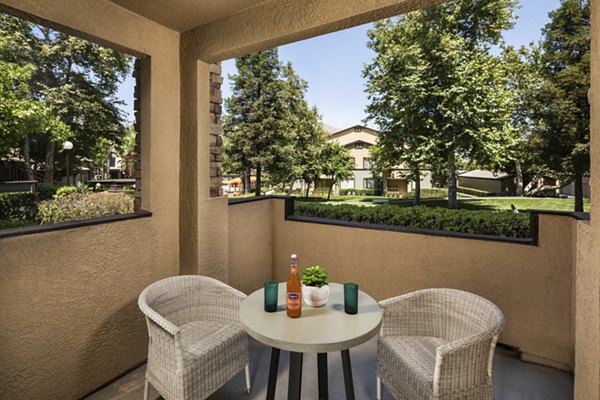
[(318, 329)]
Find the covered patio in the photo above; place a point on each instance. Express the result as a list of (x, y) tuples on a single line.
[(69, 293)]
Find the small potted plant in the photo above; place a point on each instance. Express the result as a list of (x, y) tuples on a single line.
[(315, 288)]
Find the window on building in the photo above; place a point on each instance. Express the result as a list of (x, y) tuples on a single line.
[(358, 129), (358, 145), (347, 184), (367, 163), (369, 183)]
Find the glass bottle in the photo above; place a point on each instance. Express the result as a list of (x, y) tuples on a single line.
[(294, 290)]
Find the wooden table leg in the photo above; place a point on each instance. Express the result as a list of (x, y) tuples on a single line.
[(295, 380), (273, 373), (347, 374), (322, 372)]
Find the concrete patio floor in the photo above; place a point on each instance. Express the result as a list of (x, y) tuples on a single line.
[(513, 379)]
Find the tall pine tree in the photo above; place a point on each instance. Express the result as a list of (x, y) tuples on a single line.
[(560, 111)]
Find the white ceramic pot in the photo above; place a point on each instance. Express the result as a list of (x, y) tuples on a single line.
[(315, 296)]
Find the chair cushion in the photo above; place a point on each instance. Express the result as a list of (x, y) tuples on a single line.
[(198, 338), (406, 364)]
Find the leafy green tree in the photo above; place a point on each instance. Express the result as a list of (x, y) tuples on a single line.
[(76, 80), (436, 92), (19, 114), (336, 163), (560, 111)]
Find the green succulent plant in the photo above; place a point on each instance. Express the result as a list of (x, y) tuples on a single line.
[(315, 276)]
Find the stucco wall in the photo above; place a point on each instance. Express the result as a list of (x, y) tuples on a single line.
[(250, 244), (489, 185), (533, 285), (69, 316)]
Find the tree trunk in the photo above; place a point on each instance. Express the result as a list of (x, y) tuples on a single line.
[(49, 170), (291, 189), (27, 156), (578, 192), (519, 173), (258, 181), (330, 188), (417, 195), (307, 188), (452, 203), (247, 180), (384, 182)]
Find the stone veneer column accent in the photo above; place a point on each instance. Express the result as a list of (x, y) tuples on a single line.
[(216, 140), (137, 165)]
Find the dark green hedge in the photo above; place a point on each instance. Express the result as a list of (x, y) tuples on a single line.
[(18, 206), (357, 192), (496, 223)]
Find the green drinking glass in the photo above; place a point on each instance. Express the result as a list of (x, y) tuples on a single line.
[(271, 296), (351, 297)]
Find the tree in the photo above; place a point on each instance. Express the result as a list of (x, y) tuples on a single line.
[(336, 163), (76, 80), (560, 110), (269, 127), (255, 125), (19, 114), (436, 92)]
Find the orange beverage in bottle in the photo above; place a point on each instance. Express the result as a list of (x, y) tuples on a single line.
[(294, 290)]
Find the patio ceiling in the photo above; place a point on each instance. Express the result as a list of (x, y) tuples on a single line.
[(183, 15), (221, 29)]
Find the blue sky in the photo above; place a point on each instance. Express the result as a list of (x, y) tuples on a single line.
[(332, 64)]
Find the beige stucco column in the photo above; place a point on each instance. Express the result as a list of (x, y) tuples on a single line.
[(587, 302), (203, 214)]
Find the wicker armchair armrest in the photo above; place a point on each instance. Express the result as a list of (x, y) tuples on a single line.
[(463, 362), (156, 317)]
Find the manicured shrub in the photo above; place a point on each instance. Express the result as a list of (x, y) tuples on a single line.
[(473, 192), (20, 206), (83, 206), (46, 191), (65, 191), (496, 223), (357, 192)]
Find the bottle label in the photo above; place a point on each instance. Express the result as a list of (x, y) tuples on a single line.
[(293, 301)]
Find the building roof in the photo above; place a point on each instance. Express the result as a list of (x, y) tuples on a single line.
[(329, 128), (483, 174)]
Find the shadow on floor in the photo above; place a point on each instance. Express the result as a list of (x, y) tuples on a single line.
[(513, 379)]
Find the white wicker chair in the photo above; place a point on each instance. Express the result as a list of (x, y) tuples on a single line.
[(196, 343), (438, 344)]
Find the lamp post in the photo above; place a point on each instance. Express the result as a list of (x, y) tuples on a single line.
[(66, 147)]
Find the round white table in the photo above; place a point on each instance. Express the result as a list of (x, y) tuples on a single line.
[(319, 330)]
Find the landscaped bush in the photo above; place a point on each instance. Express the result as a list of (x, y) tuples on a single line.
[(494, 223), (20, 206), (83, 206), (65, 191), (46, 191), (473, 192), (357, 192)]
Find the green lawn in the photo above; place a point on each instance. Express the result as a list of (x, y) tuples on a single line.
[(504, 203)]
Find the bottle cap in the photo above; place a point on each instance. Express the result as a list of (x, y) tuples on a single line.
[(294, 256)]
